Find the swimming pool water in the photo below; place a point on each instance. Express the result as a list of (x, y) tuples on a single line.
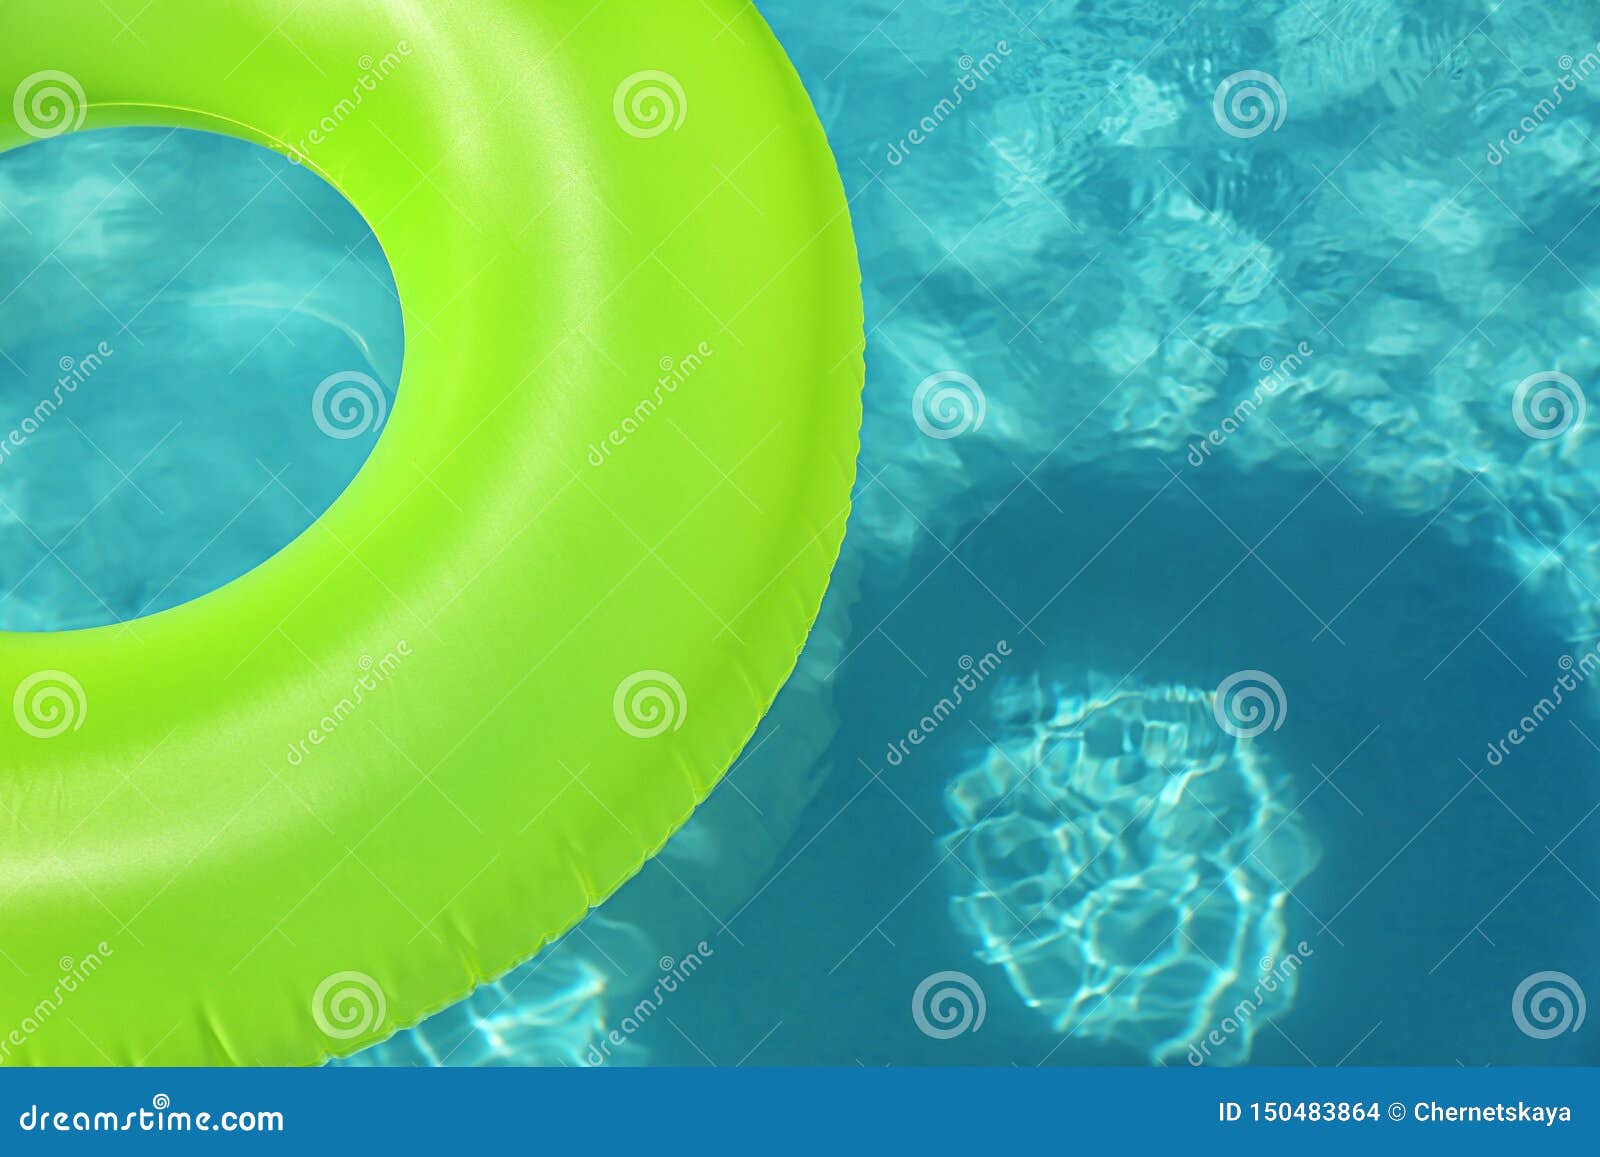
[(1225, 508), (173, 303)]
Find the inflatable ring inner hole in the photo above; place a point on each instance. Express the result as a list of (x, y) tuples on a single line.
[(207, 346)]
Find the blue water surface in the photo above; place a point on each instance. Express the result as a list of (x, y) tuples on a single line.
[(173, 301), (1224, 512)]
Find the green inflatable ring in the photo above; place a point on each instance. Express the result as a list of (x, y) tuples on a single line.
[(330, 798)]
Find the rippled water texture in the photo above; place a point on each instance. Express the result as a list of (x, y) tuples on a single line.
[(1159, 396), (1197, 342), (172, 302), (1129, 864)]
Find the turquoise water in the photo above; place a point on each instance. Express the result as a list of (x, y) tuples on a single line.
[(1225, 506), (172, 303)]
